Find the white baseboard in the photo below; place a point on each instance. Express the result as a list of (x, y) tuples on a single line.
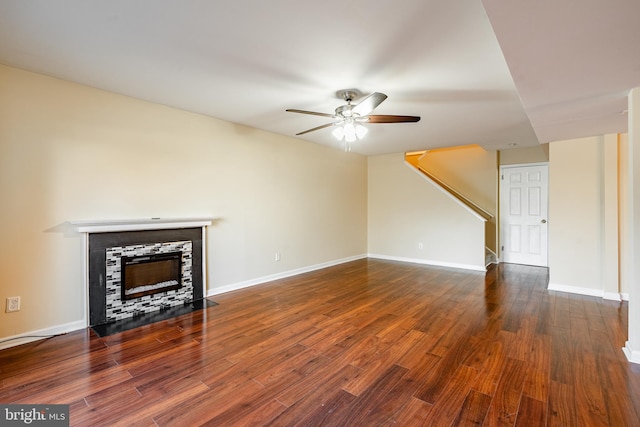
[(277, 276), (633, 355), (612, 296), (41, 334), (431, 262), (576, 290)]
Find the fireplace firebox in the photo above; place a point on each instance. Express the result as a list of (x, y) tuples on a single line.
[(150, 274)]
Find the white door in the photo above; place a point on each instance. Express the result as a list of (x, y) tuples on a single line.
[(523, 214)]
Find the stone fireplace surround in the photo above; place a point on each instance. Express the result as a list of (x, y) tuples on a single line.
[(117, 308), (106, 241)]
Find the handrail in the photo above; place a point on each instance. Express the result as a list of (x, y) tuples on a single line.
[(477, 209)]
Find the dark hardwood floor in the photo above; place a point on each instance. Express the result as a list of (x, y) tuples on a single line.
[(365, 343)]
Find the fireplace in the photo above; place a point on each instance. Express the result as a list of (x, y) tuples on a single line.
[(168, 261), (150, 274), (142, 272)]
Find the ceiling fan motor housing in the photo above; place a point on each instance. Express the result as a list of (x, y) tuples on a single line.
[(348, 94)]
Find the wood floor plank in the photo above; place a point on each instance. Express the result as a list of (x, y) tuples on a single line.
[(531, 412), (450, 401), (368, 375), (474, 410), (491, 371), (536, 384), (307, 397), (396, 402), (41, 378), (309, 385), (544, 323), (561, 407), (562, 356), (412, 414), (504, 405), (297, 362), (590, 404), (373, 396), (406, 347), (61, 391), (327, 413), (263, 415), (100, 407), (368, 342), (620, 405), (209, 404), (48, 352)]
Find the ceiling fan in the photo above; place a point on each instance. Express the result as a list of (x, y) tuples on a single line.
[(349, 117)]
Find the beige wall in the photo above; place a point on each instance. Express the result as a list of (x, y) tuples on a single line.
[(516, 156), (625, 215), (610, 210), (473, 172), (583, 215), (406, 210), (70, 152)]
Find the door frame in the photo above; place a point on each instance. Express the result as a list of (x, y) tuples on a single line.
[(501, 204)]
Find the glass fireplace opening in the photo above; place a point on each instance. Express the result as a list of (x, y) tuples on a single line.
[(150, 274)]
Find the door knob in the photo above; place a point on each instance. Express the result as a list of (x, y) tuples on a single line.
[(544, 221)]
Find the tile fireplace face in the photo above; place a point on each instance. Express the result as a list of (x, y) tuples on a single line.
[(118, 308)]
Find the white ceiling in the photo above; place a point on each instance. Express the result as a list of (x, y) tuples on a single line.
[(569, 65)]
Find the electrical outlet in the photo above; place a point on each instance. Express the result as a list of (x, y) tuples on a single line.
[(13, 304), (420, 245), (277, 256)]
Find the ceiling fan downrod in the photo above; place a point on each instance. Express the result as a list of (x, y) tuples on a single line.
[(348, 94)]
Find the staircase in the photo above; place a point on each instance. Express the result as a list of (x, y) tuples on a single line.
[(489, 257), (413, 159)]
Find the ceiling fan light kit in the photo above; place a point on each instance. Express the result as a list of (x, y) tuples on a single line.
[(349, 117), (349, 131)]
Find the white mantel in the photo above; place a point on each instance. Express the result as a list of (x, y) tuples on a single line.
[(108, 226)]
